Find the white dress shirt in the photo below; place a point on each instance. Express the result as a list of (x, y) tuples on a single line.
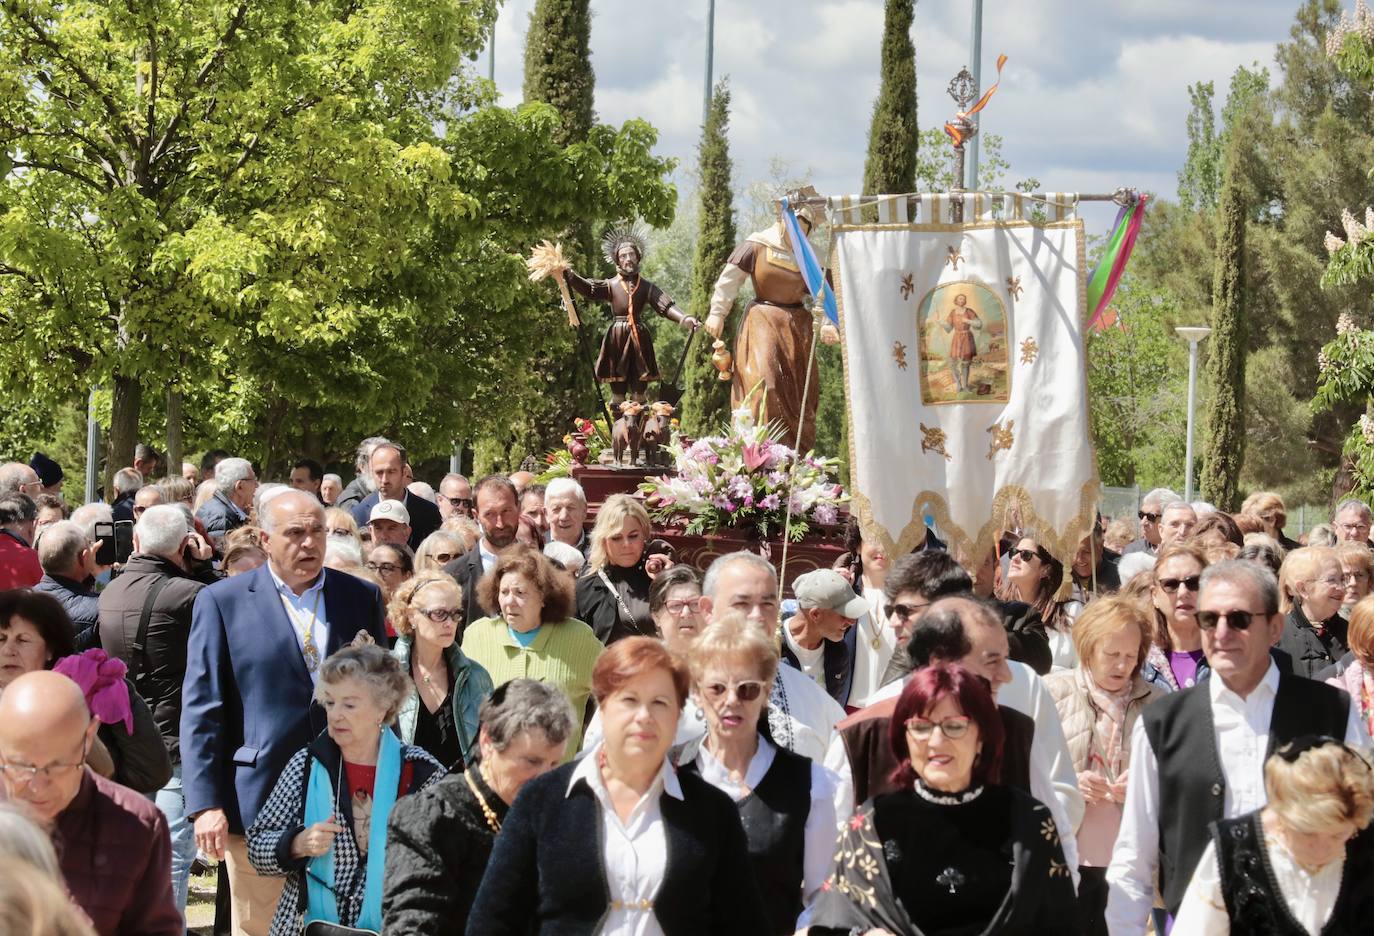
[(1311, 897), (636, 855), (1241, 729), (305, 612), (869, 662), (822, 830)]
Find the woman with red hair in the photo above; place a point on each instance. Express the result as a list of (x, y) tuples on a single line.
[(953, 850)]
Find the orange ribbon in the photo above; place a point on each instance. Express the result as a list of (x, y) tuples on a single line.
[(956, 134)]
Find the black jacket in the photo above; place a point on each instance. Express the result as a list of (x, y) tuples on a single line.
[(80, 602), (1312, 652), (599, 609), (438, 844), (547, 872), (159, 670), (467, 571), (140, 759)]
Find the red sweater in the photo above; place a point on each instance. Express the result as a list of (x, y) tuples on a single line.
[(19, 566), (116, 857)]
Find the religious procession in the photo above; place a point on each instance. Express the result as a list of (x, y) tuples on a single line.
[(429, 507)]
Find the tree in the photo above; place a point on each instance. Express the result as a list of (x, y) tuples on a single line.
[(1198, 180), (1223, 448), (891, 164), (558, 64), (706, 405), (935, 164)]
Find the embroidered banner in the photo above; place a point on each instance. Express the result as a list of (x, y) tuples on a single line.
[(965, 375)]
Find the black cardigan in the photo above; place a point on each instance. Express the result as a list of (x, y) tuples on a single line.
[(547, 874)]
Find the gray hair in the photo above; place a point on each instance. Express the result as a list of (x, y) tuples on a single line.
[(147, 493), (266, 493), (127, 480), (1323, 534), (230, 472), (1352, 503), (713, 572), (12, 475), (422, 489), (343, 550), (1160, 497), (22, 839), (1177, 505), (60, 546), (17, 507), (332, 477), (161, 530), (454, 476), (363, 456), (1248, 575), (526, 705), (1202, 508), (560, 487), (375, 668), (569, 557), (88, 515)]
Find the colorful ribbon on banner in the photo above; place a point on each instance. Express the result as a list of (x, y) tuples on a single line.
[(955, 133), (1107, 276), (810, 267)]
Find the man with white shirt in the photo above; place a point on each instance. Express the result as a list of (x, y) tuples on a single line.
[(498, 514), (1198, 755), (256, 644), (813, 638)]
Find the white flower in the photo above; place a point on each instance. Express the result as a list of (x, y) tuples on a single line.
[(1323, 362), (1354, 230), (1333, 243), (1367, 428), (1345, 324)]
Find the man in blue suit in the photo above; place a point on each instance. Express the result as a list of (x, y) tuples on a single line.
[(256, 644)]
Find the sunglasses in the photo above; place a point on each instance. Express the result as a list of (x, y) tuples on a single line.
[(459, 501), (1236, 620), (1146, 515), (1291, 751), (1025, 555), (1171, 585), (440, 615), (952, 728), (905, 612), (746, 691), (444, 557)]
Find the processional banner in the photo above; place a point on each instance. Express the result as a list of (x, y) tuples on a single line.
[(964, 367)]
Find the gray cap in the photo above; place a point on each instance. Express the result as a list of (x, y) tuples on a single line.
[(826, 588)]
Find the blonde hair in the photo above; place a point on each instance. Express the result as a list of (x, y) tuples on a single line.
[(398, 608), (32, 903), (1106, 616), (732, 636), (465, 528), (1356, 554), (21, 838), (424, 556), (615, 515), (1360, 635), (337, 517), (1301, 565), (1262, 503), (1326, 787)]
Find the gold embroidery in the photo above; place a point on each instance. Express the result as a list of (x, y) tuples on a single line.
[(1030, 350), (908, 285), (1014, 286), (1058, 869), (1050, 831), (954, 258), (933, 440), (1001, 437), (899, 354)]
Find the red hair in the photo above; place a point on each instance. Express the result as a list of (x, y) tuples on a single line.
[(927, 687), (625, 659)]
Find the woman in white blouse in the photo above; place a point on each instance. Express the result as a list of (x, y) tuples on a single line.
[(1298, 865), (618, 842), (786, 801)]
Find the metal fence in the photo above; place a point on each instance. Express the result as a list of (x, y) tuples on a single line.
[(1124, 502)]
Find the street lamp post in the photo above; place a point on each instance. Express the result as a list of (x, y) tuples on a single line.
[(1193, 334)]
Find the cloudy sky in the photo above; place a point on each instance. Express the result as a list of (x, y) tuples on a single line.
[(1094, 94)]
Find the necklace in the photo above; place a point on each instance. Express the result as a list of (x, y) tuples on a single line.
[(487, 812), (946, 799), (309, 649)]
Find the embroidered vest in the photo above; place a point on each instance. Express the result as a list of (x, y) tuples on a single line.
[(1251, 891)]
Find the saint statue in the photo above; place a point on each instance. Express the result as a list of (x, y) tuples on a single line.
[(627, 360), (774, 340)]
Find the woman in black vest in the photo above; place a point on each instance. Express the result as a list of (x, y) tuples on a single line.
[(1311, 590), (786, 802), (952, 851), (1299, 866), (619, 841)]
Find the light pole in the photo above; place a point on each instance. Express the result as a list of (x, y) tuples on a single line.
[(710, 56), (1193, 334), (976, 68)]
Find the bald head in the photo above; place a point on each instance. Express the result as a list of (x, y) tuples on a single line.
[(289, 503), (966, 631), (44, 724), (293, 534)]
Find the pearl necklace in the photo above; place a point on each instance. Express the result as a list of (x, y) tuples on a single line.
[(946, 799)]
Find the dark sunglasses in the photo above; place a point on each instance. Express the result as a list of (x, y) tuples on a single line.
[(459, 501), (906, 612), (1146, 515), (1236, 620), (444, 557), (1025, 555), (1300, 746), (746, 691), (1171, 585)]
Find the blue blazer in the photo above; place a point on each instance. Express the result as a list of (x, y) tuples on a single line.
[(246, 700)]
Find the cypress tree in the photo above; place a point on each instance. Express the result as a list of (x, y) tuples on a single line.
[(891, 164), (706, 404), (558, 64), (1223, 444)]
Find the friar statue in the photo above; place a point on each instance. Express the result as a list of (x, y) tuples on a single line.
[(774, 340), (627, 360)]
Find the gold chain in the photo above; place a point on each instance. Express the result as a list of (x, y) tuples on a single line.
[(492, 821)]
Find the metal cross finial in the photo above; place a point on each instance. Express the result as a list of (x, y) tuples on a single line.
[(963, 89)]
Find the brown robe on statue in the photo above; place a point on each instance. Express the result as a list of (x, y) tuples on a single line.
[(775, 341), (627, 350)]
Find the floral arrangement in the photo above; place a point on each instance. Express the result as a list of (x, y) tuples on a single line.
[(745, 478), (594, 436)]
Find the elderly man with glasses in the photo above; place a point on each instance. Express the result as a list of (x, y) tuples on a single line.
[(1150, 514), (1352, 522)]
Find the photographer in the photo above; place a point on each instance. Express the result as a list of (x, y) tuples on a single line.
[(145, 620)]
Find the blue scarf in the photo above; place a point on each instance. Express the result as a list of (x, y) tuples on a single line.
[(321, 807)]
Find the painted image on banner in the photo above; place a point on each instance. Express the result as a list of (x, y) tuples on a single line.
[(963, 332)]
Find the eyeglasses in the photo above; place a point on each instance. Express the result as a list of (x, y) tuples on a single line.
[(1353, 527), (687, 606), (1355, 574), (952, 728), (440, 615), (746, 691), (906, 612), (1146, 515), (444, 557), (1236, 620), (27, 773), (1172, 585), (1025, 555), (458, 501), (385, 568)]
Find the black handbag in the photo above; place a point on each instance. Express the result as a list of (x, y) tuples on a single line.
[(321, 928)]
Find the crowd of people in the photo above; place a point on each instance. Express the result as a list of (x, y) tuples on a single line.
[(392, 708)]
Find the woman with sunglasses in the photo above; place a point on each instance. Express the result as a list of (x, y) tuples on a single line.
[(1176, 660), (438, 549), (1034, 576), (952, 850), (1311, 590), (441, 715), (786, 801), (1299, 865)]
